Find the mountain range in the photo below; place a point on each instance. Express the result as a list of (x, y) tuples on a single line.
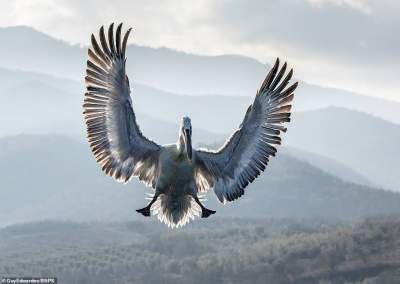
[(55, 177), (43, 104), (339, 156), (359, 140), (175, 72)]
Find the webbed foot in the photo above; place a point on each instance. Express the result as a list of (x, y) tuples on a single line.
[(144, 211), (206, 212)]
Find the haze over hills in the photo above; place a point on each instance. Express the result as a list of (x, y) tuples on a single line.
[(54, 177), (360, 141), (43, 104), (40, 103), (175, 72), (329, 165), (21, 90)]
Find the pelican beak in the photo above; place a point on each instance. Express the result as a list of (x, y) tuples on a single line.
[(188, 140)]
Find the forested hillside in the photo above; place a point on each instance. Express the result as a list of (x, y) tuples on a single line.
[(216, 251)]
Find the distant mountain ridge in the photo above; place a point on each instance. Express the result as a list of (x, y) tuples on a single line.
[(175, 72), (361, 141), (329, 165), (43, 104), (54, 177)]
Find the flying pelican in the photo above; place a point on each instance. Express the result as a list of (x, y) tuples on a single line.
[(178, 173)]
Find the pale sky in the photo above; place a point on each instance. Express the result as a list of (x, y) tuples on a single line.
[(349, 44)]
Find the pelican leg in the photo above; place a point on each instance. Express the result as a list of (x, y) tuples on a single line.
[(205, 212), (146, 210)]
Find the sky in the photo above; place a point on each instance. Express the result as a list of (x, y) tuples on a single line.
[(348, 44)]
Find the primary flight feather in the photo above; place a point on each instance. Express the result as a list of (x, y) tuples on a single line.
[(177, 172)]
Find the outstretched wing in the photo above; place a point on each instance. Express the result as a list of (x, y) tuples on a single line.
[(114, 136), (246, 153)]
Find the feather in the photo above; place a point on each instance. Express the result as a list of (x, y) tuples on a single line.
[(96, 75), (94, 81), (103, 42), (283, 83), (111, 39), (124, 42), (271, 74), (96, 59), (118, 40), (278, 77), (96, 68), (98, 50)]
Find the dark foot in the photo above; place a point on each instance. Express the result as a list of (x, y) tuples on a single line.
[(206, 212), (144, 211)]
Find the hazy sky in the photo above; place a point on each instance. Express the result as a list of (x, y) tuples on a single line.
[(352, 44)]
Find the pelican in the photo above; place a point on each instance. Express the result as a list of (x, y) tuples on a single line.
[(178, 173)]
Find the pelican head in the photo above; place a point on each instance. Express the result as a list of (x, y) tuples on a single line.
[(185, 137)]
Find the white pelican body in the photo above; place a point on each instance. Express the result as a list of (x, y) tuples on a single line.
[(175, 199), (176, 172)]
